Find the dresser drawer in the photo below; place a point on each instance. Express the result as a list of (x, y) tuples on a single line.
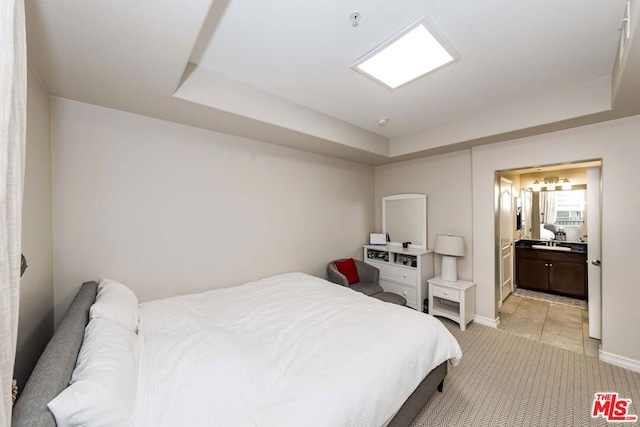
[(446, 293), (406, 291), (398, 273)]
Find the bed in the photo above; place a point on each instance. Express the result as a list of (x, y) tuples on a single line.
[(286, 350)]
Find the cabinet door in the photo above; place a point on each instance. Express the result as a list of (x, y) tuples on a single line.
[(568, 278), (533, 274)]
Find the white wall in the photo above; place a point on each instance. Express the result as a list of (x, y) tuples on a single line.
[(171, 209), (446, 180), (616, 144), (35, 325)]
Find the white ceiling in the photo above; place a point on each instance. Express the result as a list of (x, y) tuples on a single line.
[(280, 71)]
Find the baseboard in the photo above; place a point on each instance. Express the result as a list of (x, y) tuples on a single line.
[(620, 361), (486, 321)]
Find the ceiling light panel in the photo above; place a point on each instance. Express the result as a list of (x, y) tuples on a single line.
[(410, 54)]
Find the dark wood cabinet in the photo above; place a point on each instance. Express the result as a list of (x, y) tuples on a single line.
[(562, 273), (532, 273)]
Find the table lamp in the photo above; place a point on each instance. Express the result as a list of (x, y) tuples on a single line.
[(449, 247)]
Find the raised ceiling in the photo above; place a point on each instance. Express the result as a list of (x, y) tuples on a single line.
[(280, 71)]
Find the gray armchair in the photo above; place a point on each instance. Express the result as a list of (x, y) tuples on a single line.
[(368, 274)]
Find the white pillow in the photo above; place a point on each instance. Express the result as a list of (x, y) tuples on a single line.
[(104, 381), (116, 302)]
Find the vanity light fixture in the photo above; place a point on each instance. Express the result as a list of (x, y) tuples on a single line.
[(551, 183), (417, 50)]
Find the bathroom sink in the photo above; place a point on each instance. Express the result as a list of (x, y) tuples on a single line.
[(551, 248)]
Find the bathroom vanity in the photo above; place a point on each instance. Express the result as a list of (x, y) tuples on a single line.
[(554, 267)]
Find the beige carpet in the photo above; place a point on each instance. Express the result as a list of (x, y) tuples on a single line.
[(507, 380)]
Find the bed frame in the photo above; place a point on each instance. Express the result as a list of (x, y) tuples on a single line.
[(54, 368)]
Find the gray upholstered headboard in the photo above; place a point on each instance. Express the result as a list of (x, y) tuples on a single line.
[(53, 370)]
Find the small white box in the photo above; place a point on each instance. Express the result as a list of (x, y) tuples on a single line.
[(378, 239)]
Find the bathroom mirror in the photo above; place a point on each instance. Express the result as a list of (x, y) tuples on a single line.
[(559, 215), (404, 218)]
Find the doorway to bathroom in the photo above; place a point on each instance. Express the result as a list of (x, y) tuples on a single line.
[(548, 291)]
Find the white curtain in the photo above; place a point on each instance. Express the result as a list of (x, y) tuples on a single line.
[(548, 207), (13, 102)]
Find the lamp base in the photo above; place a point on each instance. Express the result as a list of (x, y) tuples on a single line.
[(449, 268)]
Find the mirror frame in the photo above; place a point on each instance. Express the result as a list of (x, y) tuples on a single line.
[(423, 205)]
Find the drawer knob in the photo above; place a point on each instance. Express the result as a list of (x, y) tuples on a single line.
[(404, 293), (404, 275), (445, 292)]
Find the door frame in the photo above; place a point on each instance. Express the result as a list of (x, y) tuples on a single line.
[(594, 235), (497, 243)]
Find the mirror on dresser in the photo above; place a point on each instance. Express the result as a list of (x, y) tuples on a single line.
[(404, 218), (404, 271)]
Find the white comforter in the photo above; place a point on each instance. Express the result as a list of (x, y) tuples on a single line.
[(289, 350)]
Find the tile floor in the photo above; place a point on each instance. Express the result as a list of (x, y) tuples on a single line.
[(558, 325)]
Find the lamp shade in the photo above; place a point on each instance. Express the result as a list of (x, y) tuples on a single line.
[(447, 244)]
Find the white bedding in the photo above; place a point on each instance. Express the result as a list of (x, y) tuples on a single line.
[(289, 350)]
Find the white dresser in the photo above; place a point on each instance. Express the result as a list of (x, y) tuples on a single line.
[(402, 271)]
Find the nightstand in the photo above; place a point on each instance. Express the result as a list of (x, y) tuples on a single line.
[(453, 300)]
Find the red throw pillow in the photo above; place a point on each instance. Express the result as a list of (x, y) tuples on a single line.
[(348, 268)]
